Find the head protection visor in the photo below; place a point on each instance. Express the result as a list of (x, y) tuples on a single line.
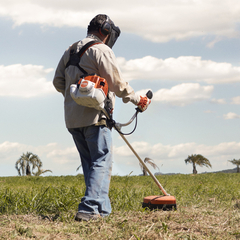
[(113, 36)]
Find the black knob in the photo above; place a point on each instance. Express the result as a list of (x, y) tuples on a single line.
[(149, 94)]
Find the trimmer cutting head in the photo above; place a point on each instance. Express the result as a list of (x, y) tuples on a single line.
[(160, 202)]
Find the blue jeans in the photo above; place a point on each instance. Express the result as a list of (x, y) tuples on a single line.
[(94, 144)]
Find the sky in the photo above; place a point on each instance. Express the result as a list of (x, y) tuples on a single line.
[(185, 51)]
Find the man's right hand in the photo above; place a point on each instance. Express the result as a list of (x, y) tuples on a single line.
[(143, 103)]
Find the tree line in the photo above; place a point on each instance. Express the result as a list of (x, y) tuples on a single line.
[(28, 162)]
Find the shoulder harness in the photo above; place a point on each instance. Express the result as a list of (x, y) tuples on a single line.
[(75, 57), (74, 60)]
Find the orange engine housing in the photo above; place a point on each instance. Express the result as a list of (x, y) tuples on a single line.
[(99, 82)]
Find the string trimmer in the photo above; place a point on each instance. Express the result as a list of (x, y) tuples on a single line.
[(166, 202), (91, 91)]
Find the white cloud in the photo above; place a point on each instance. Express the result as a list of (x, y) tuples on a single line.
[(183, 94), (65, 160), (160, 151), (212, 43), (63, 156), (172, 157), (236, 100), (181, 150), (139, 147), (24, 80), (218, 101), (231, 115), (43, 12), (158, 21), (184, 68), (9, 148), (62, 161), (30, 80), (13, 150)]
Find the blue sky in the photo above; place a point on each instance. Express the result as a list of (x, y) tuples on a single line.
[(185, 51)]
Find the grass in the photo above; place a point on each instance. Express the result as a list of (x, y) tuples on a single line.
[(44, 208)]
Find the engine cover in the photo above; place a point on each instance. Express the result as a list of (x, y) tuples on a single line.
[(91, 91)]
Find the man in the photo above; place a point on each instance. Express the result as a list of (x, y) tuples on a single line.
[(89, 130)]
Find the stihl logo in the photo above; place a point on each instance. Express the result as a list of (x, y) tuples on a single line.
[(84, 84)]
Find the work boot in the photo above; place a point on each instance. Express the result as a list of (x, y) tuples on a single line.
[(80, 216)]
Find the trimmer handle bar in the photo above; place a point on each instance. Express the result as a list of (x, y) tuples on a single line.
[(118, 126)]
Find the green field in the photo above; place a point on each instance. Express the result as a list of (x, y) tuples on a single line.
[(44, 208)]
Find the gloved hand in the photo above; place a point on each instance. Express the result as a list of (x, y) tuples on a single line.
[(143, 103)]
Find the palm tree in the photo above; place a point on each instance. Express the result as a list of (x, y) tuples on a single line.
[(79, 167), (28, 160), (149, 161), (236, 162), (40, 172), (197, 160)]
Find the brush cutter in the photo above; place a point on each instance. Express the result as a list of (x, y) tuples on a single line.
[(91, 91), (165, 202)]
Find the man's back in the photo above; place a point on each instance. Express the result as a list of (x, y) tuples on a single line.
[(98, 59)]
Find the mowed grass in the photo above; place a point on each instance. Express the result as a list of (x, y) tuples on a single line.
[(208, 207)]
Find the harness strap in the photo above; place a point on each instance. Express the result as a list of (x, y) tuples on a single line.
[(75, 57)]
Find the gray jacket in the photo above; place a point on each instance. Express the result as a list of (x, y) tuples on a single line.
[(98, 59)]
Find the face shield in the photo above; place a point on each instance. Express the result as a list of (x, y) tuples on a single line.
[(113, 36)]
